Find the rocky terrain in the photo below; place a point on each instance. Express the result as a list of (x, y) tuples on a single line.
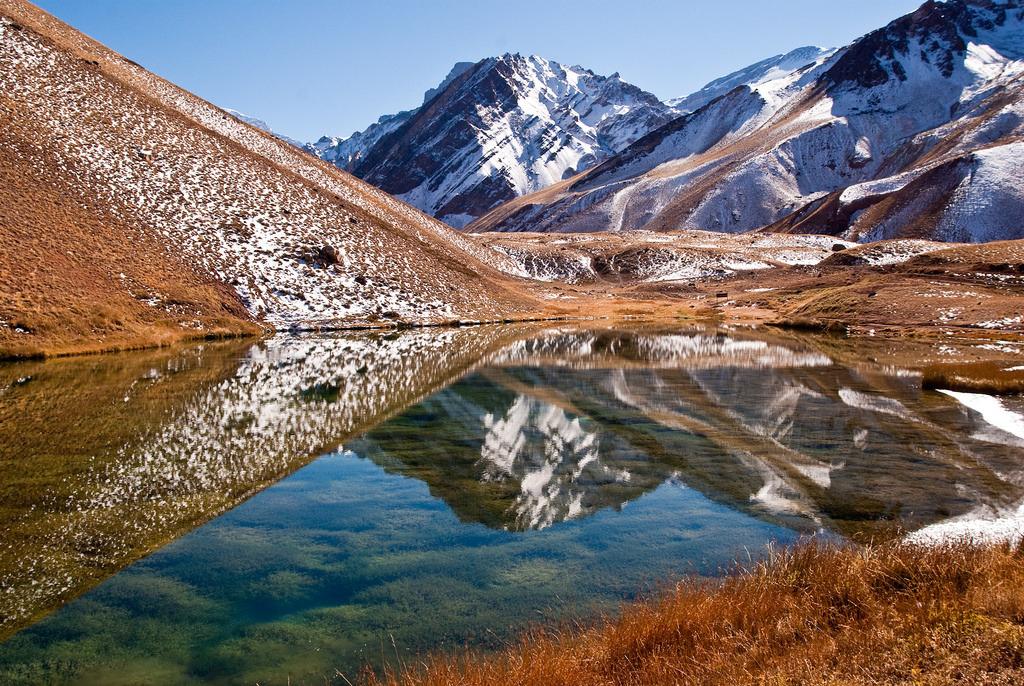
[(893, 288), (495, 130), (913, 131), (133, 212)]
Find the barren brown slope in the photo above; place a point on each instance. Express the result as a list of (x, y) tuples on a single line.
[(184, 221), (74, 277)]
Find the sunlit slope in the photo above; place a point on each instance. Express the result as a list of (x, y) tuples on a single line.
[(178, 199), (914, 130)]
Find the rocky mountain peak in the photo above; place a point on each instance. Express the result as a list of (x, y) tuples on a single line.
[(912, 130), (938, 33), (496, 129)]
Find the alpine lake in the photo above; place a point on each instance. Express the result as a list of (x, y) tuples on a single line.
[(298, 509)]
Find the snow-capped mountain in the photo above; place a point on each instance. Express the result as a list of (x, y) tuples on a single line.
[(346, 153), (756, 74), (913, 130), (251, 121), (262, 126), (494, 130)]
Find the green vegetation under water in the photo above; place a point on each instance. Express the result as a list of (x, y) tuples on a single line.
[(490, 478)]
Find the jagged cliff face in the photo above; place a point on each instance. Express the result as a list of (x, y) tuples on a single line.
[(914, 130), (494, 130)]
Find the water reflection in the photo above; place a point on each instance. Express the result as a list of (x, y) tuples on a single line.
[(104, 459), (557, 468), (562, 425)]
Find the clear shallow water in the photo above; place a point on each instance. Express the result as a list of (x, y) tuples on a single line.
[(489, 478)]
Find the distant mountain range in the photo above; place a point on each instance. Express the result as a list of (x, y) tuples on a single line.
[(262, 126), (495, 130), (912, 130)]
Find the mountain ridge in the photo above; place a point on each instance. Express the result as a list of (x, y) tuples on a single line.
[(493, 130), (219, 227), (941, 83), (755, 74)]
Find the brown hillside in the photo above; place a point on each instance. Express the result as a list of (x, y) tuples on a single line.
[(216, 227), (75, 277)]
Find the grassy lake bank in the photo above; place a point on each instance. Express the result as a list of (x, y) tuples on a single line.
[(812, 614)]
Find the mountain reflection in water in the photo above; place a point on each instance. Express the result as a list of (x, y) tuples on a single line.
[(560, 426), (712, 441), (103, 459)]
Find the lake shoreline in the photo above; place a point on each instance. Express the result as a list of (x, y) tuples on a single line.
[(983, 371), (814, 613)]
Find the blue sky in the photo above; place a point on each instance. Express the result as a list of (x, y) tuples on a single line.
[(310, 67)]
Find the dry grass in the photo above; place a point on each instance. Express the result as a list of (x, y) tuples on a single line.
[(817, 614), (134, 214), (75, 278), (974, 377)]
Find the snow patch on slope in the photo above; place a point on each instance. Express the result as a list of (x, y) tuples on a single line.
[(762, 72), (507, 126)]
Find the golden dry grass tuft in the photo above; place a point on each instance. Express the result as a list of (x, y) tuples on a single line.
[(815, 614), (975, 377)]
